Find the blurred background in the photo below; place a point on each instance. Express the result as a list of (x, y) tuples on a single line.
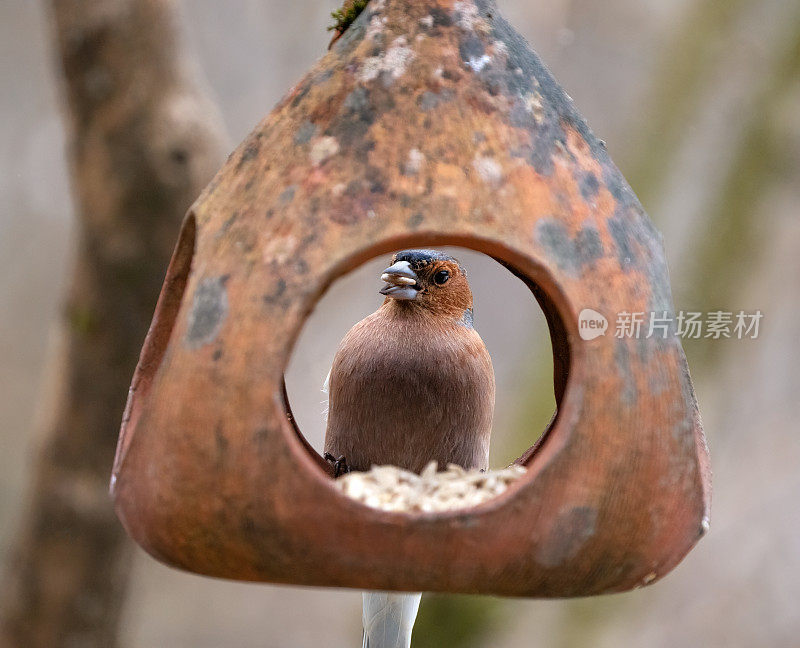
[(699, 102)]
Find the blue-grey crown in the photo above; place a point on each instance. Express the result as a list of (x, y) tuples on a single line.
[(418, 259)]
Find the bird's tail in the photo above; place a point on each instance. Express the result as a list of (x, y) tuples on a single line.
[(389, 619)]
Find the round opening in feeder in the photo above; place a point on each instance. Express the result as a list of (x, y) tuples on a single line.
[(508, 319), (515, 332)]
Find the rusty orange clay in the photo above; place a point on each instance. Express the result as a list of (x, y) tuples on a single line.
[(429, 122)]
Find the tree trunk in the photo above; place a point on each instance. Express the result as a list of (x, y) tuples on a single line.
[(145, 140)]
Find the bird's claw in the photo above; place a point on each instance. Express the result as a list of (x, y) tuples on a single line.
[(340, 466)]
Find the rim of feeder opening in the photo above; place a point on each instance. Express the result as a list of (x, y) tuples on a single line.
[(428, 123)]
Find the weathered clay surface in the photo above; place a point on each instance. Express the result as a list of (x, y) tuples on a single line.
[(429, 122)]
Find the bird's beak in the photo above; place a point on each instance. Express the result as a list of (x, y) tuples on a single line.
[(401, 281)]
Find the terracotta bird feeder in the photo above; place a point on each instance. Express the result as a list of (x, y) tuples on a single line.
[(429, 122)]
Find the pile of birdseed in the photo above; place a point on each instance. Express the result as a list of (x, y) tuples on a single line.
[(390, 488)]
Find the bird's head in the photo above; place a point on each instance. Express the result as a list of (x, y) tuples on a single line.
[(430, 280)]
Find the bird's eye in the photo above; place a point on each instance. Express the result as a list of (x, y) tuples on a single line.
[(441, 277)]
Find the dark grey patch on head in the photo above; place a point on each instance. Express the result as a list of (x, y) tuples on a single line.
[(418, 259), (589, 185), (217, 355), (209, 309), (467, 319), (572, 530), (622, 359), (304, 134)]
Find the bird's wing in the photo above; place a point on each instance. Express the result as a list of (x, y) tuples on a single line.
[(389, 619)]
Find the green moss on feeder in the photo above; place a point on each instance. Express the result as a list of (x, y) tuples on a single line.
[(346, 16)]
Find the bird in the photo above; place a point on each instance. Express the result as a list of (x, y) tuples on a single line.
[(411, 383)]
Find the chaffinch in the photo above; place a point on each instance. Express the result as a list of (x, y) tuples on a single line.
[(413, 382), (410, 384)]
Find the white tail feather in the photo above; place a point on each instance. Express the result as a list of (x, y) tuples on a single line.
[(389, 619)]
